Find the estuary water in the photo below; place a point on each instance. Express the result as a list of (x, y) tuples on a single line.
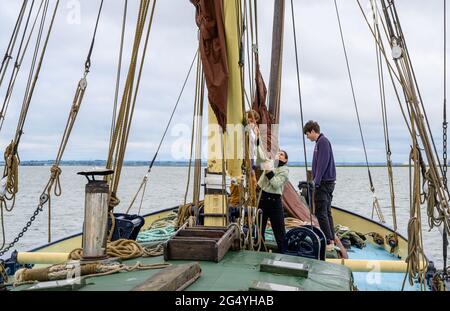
[(167, 187)]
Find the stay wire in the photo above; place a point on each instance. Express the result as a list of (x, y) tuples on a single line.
[(12, 42), (381, 85), (353, 95), (173, 113), (87, 65), (397, 23), (33, 75), (299, 86), (444, 127), (18, 63), (119, 70)]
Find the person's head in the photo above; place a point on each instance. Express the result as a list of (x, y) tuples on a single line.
[(253, 116), (311, 130), (283, 156)]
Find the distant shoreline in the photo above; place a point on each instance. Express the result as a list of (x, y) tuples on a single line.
[(102, 163)]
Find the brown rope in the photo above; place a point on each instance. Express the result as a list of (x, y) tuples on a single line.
[(125, 114), (65, 271), (12, 160), (123, 249)]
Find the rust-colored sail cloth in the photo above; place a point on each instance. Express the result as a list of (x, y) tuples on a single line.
[(259, 105), (297, 209), (213, 52), (259, 101)]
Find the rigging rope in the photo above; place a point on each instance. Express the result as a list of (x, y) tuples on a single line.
[(299, 87), (119, 69), (12, 160), (392, 73), (193, 126), (10, 171), (54, 185), (125, 115), (12, 42), (417, 262), (412, 95), (198, 139), (412, 73), (437, 195), (18, 63), (384, 115), (444, 139), (375, 204), (145, 179)]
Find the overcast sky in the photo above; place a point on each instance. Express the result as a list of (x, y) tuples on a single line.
[(325, 87)]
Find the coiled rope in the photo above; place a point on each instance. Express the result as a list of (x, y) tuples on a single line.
[(68, 270), (123, 249), (160, 230)]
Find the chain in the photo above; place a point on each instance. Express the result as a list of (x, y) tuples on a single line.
[(42, 200)]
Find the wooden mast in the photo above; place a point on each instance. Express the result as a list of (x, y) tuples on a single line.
[(276, 60), (225, 145)]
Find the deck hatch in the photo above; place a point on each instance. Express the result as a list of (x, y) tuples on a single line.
[(267, 286), (284, 267)]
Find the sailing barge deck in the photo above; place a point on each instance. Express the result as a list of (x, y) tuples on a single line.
[(240, 269)]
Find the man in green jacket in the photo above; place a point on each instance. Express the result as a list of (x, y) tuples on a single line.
[(272, 183)]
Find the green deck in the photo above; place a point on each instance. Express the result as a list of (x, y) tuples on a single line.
[(235, 272)]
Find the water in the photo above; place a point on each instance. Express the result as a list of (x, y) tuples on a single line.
[(167, 186)]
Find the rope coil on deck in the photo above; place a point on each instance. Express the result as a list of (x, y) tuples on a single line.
[(123, 249), (68, 270)]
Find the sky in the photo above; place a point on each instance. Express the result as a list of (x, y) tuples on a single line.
[(326, 92)]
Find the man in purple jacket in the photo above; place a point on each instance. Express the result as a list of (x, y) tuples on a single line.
[(324, 179)]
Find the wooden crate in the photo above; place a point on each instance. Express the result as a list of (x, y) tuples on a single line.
[(201, 243)]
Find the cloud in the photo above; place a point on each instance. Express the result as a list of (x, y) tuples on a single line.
[(173, 40)]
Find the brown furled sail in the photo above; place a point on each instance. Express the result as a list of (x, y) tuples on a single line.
[(259, 101), (259, 105), (213, 52), (295, 207)]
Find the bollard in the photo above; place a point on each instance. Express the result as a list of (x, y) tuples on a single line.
[(95, 216)]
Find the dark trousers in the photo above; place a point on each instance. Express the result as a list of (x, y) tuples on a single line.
[(322, 200), (272, 209)]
